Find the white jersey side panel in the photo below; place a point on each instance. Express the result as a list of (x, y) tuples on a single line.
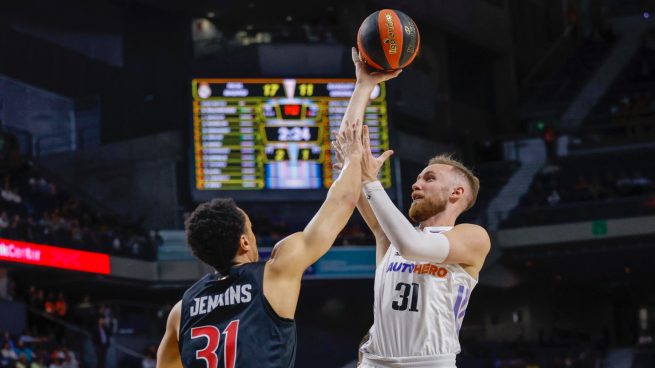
[(418, 307)]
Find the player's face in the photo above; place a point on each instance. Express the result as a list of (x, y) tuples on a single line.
[(430, 192), (253, 253)]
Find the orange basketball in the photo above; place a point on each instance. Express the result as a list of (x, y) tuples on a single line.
[(388, 40)]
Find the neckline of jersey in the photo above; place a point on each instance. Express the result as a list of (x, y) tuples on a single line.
[(437, 228)]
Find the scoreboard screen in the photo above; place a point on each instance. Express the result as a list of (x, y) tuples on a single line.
[(270, 134)]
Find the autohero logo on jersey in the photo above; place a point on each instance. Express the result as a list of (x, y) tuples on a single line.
[(420, 269), (235, 294)]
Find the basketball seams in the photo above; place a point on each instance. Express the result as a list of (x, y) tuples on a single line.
[(409, 48), (418, 43), (374, 48), (395, 37)]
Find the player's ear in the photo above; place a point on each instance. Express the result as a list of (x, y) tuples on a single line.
[(244, 243), (457, 193)]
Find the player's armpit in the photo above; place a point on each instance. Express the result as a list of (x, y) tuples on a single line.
[(469, 245), (168, 354)]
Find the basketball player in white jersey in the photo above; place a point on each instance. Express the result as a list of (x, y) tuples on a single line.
[(424, 275)]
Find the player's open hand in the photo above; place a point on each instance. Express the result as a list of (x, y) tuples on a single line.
[(370, 164), (348, 144), (367, 77)]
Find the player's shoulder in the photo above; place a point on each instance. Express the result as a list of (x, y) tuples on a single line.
[(476, 234), (174, 317), (470, 228), (288, 244)]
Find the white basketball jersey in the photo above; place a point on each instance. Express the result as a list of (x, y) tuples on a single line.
[(418, 311)]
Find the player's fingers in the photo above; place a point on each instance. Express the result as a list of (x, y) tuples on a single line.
[(366, 140), (342, 137), (335, 146), (385, 155), (358, 130), (338, 149), (345, 136), (355, 55), (338, 166), (392, 75)]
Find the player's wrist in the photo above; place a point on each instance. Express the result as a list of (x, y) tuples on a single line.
[(365, 83), (367, 179)]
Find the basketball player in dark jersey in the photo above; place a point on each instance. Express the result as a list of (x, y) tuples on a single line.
[(242, 314)]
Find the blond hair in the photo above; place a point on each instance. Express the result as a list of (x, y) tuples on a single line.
[(462, 170)]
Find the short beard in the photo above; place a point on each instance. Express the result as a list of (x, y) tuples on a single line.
[(423, 210)]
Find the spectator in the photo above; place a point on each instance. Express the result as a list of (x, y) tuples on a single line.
[(22, 361), (7, 355), (156, 238), (149, 357), (6, 338), (4, 222), (40, 361), (50, 304), (70, 360), (111, 323), (23, 350), (85, 312), (61, 307), (101, 341), (553, 198), (57, 362)]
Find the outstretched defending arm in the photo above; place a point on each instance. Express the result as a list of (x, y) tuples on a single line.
[(292, 255), (364, 86)]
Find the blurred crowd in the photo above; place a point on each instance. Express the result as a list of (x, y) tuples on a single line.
[(272, 229), (18, 352), (549, 190), (98, 319), (33, 209), (632, 104)]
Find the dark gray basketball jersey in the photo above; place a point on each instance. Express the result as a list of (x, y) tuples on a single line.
[(227, 322)]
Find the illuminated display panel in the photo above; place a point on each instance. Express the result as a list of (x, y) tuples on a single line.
[(258, 134), (49, 256)]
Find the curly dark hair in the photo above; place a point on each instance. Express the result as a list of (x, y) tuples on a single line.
[(213, 231)]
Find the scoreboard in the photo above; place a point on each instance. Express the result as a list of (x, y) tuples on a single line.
[(274, 134)]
